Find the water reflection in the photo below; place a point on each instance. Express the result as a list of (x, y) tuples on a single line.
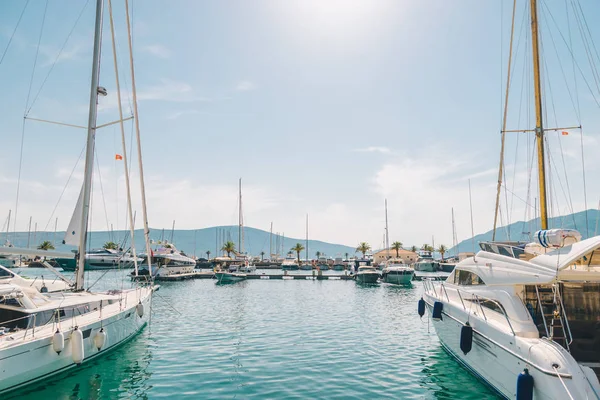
[(440, 378)]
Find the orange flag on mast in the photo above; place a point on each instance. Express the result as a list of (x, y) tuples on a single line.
[(118, 157), (565, 133)]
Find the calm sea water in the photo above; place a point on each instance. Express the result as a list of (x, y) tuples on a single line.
[(272, 339)]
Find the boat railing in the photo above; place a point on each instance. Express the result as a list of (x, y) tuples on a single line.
[(29, 319), (430, 287)]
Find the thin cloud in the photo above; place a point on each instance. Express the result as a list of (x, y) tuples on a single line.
[(245, 86), (374, 149), (167, 90), (157, 50), (177, 114)]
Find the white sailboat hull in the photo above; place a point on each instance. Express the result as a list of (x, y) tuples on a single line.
[(23, 362), (497, 358)]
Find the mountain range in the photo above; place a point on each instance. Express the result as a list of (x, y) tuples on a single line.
[(192, 242), (199, 241)]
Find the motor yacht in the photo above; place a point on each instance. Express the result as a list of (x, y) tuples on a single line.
[(396, 272), (504, 318)]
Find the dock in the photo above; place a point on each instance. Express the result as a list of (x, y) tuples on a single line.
[(284, 276)]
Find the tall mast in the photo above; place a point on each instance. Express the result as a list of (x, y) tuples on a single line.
[(89, 153), (539, 126), (123, 144), (387, 233), (172, 231), (454, 239), (240, 244), (8, 226), (139, 142), (271, 242), (306, 237)]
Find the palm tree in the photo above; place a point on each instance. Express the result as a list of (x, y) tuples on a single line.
[(46, 245), (414, 249), (363, 247), (208, 254), (111, 246), (397, 246), (318, 254), (262, 255), (442, 250), (298, 248), (229, 247), (427, 247)]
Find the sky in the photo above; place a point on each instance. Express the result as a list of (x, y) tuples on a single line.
[(324, 108)]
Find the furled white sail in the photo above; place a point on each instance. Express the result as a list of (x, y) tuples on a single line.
[(72, 233)]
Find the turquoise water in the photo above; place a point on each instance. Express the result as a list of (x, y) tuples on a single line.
[(273, 339)]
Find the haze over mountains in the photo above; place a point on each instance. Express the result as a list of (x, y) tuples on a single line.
[(197, 241)]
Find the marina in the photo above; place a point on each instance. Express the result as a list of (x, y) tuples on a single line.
[(241, 123), (329, 330)]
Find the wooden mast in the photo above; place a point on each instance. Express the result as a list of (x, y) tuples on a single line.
[(539, 127)]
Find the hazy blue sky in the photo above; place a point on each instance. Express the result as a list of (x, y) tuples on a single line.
[(322, 107)]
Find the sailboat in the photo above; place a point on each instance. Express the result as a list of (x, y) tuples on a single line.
[(42, 334), (525, 322), (237, 271), (394, 270)]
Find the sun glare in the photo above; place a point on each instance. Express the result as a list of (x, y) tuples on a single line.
[(336, 18)]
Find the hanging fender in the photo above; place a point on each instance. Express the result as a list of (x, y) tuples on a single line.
[(140, 309), (436, 315), (58, 342), (421, 307), (100, 339), (77, 349), (525, 386), (466, 338)]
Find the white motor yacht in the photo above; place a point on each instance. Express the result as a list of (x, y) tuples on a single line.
[(508, 320), (396, 272), (367, 274), (168, 261)]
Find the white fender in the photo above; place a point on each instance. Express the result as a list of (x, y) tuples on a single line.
[(77, 345), (100, 339), (140, 309), (58, 341)]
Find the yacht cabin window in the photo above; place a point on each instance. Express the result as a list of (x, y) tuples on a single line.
[(466, 278)]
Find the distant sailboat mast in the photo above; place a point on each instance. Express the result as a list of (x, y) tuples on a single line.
[(271, 242), (306, 237), (240, 222), (387, 232)]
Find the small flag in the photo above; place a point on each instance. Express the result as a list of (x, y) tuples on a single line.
[(565, 133), (120, 157)]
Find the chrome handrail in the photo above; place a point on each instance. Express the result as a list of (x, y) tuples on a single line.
[(461, 299), (564, 312), (443, 287), (537, 292)]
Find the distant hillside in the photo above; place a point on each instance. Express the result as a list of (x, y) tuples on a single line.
[(522, 230), (200, 240)]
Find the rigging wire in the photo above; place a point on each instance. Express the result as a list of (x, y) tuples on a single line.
[(56, 59), (573, 58), (37, 52), (503, 134), (101, 189), (13, 33)]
